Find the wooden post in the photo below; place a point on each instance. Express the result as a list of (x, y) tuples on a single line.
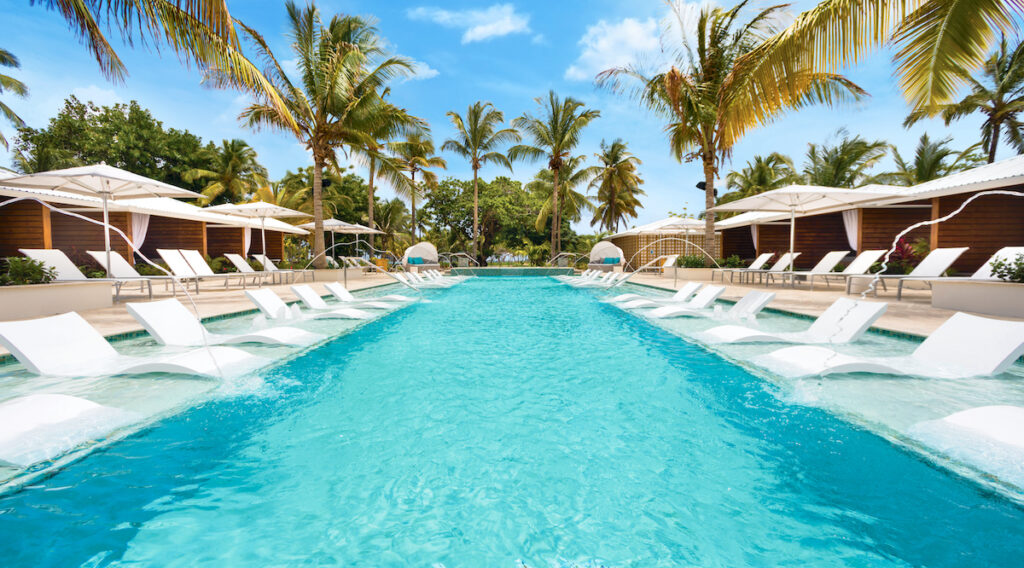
[(47, 228), (202, 229), (933, 237), (860, 231)]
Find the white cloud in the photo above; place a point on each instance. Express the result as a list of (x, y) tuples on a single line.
[(423, 71), (606, 45), (98, 95), (479, 25)]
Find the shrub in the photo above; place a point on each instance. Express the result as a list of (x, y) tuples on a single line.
[(146, 269), (733, 261), (692, 261), (904, 257), (26, 271), (92, 272), (220, 265), (1011, 270)]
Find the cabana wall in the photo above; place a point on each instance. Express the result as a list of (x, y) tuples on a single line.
[(275, 244), (168, 233), (223, 240), (879, 226), (75, 236), (630, 244), (738, 241), (25, 225), (986, 225)]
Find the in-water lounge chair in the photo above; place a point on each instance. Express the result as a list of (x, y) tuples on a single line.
[(701, 301), (747, 307), (273, 307), (66, 345), (423, 281), (170, 323), (344, 296), (758, 264), (844, 321), (963, 346), (313, 301), (588, 274), (681, 295), (66, 271), (932, 266), (999, 423), (826, 265)]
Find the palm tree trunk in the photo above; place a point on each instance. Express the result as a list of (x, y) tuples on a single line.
[(709, 202), (993, 143), (556, 224), (476, 231), (369, 206), (412, 199), (319, 259)]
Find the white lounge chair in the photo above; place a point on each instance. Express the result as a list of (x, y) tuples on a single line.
[(860, 265), (702, 301), (932, 266), (758, 264), (66, 271), (844, 321), (124, 272), (999, 423), (588, 274), (269, 266), (198, 264), (170, 323), (66, 345), (273, 307), (180, 267), (784, 264), (963, 346), (423, 281), (39, 427), (985, 271), (826, 265), (243, 267), (313, 301), (342, 295), (613, 279), (747, 307), (681, 295)]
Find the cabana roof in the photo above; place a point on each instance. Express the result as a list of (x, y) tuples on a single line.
[(1004, 173), (668, 225)]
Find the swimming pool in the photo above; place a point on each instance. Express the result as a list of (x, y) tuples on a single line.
[(507, 422)]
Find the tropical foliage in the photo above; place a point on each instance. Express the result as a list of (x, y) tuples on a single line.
[(931, 160), (236, 173), (763, 173), (573, 203), (12, 85), (617, 182), (844, 164), (415, 155)]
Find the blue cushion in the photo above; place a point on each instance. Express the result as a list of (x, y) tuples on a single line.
[(611, 260), (415, 260)]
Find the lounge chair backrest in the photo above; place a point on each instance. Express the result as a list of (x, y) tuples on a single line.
[(240, 264), (938, 261), (119, 267), (177, 263), (670, 261), (985, 272), (760, 261), (401, 278), (846, 320), (168, 321), (311, 299), (751, 304), (268, 265), (57, 260), (269, 303), (863, 262), (985, 346), (829, 261), (339, 292), (705, 297), (686, 291), (52, 344), (197, 262), (785, 262)]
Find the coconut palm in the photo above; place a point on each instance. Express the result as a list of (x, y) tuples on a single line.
[(337, 103), (555, 133), (845, 164), (478, 138), (763, 173), (416, 155), (711, 97), (998, 95), (573, 203), (8, 83), (235, 175), (932, 160), (393, 221), (295, 190), (618, 186)]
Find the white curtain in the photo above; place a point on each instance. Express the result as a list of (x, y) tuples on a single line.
[(753, 235), (246, 240), (140, 226), (850, 224)]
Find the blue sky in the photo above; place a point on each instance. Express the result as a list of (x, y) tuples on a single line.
[(503, 52)]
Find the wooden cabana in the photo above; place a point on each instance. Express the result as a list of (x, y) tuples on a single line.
[(662, 238)]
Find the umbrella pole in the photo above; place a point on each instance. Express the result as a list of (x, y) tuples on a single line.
[(263, 234), (792, 239), (106, 232)]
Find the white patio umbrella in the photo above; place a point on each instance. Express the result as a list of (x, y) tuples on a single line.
[(806, 199), (259, 210), (339, 226), (107, 182)]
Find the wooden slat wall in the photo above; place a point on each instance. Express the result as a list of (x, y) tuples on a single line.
[(652, 248), (738, 241), (221, 240), (23, 225), (880, 226), (818, 235), (773, 238), (629, 245), (75, 236), (986, 225), (168, 233), (275, 244)]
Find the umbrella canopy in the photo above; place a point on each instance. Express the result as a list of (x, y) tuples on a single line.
[(668, 225), (259, 210), (337, 226), (805, 199), (107, 182)]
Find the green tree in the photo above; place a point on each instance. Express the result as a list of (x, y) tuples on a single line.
[(16, 87), (932, 160), (845, 164), (555, 134), (235, 175), (763, 173), (573, 203), (712, 95), (394, 222), (342, 70), (416, 156), (478, 138), (618, 186)]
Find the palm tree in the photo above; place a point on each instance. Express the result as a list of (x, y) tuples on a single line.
[(844, 165), (236, 173), (393, 221), (932, 160), (338, 103), (763, 173), (999, 96), (618, 186), (295, 191), (555, 133), (711, 95), (573, 203), (415, 155), (478, 137), (8, 83)]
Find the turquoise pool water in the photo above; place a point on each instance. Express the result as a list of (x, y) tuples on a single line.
[(507, 422)]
